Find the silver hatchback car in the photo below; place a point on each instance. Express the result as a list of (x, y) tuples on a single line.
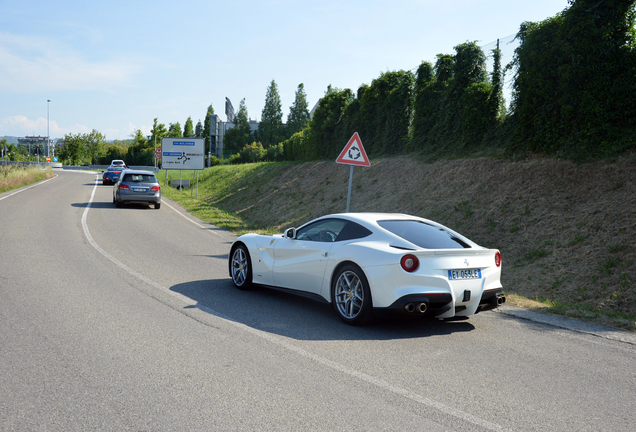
[(135, 186)]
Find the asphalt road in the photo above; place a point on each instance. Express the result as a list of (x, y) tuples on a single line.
[(126, 319)]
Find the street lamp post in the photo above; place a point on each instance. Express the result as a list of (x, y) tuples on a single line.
[(48, 137)]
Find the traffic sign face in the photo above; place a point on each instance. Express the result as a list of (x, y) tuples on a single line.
[(158, 153), (353, 153), (182, 153)]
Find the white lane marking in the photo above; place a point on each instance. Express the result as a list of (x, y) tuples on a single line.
[(190, 220), (27, 188), (290, 347)]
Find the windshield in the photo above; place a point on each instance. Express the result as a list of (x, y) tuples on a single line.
[(423, 235), (140, 178)]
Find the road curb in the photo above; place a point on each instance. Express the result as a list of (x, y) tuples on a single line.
[(569, 324)]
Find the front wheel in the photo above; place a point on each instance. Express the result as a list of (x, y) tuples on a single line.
[(241, 268), (351, 296), (157, 206)]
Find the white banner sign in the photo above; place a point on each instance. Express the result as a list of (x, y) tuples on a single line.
[(182, 153)]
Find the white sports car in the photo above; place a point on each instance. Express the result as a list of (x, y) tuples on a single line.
[(368, 264)]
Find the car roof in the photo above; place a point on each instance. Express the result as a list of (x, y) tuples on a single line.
[(373, 218), (129, 171)]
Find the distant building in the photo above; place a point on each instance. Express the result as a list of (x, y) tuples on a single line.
[(36, 141), (219, 133)]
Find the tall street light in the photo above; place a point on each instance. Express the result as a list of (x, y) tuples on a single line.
[(48, 137)]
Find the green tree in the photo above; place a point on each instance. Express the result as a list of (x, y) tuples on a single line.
[(95, 144), (496, 101), (158, 131), (74, 150), (298, 112), (326, 137), (270, 129), (188, 128), (239, 136), (426, 107), (444, 67), (12, 152), (174, 130), (206, 128), (574, 89), (198, 130)]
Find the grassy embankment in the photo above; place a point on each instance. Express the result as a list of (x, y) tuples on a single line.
[(13, 176), (567, 231)]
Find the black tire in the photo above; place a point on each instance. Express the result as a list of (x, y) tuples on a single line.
[(241, 267), (117, 203), (351, 296), (157, 206)]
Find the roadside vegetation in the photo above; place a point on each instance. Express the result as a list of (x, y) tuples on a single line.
[(548, 178), (16, 176), (565, 230)]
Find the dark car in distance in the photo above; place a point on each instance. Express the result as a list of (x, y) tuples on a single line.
[(139, 187), (111, 174)]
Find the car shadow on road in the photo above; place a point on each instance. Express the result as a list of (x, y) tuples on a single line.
[(110, 204), (95, 204), (300, 318)]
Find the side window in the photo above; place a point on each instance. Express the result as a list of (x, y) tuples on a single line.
[(353, 231), (326, 230)]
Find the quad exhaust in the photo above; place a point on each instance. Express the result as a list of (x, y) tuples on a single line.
[(501, 299), (413, 307)]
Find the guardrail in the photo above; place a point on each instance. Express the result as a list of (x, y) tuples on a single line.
[(75, 167), (45, 164)]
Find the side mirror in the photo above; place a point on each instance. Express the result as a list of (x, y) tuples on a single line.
[(290, 233)]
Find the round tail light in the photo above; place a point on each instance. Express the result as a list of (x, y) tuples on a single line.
[(409, 263), (498, 259)]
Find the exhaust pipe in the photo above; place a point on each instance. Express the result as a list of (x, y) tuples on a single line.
[(501, 299), (421, 308), (409, 307)]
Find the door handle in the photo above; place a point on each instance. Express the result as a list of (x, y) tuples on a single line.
[(325, 254)]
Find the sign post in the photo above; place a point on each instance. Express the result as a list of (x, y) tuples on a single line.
[(353, 154), (182, 154)]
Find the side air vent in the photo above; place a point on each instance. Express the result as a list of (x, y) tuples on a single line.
[(402, 248)]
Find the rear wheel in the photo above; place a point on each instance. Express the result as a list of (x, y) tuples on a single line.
[(241, 268), (351, 296), (157, 206)]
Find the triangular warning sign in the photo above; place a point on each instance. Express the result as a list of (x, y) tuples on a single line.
[(353, 153)]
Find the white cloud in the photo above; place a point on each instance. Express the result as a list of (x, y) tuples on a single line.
[(20, 125), (34, 64)]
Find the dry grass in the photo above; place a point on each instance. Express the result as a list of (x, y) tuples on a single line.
[(14, 176), (567, 231)]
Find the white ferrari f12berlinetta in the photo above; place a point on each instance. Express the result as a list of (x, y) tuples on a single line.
[(372, 264)]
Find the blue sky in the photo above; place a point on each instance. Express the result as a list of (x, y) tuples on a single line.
[(114, 66)]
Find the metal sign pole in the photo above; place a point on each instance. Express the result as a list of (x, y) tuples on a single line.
[(349, 193)]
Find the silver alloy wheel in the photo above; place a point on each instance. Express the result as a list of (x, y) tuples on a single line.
[(239, 267), (349, 294)]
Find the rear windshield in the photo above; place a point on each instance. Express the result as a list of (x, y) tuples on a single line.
[(140, 178), (423, 235)]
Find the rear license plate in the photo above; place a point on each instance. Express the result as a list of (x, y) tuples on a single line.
[(139, 190), (464, 274)]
